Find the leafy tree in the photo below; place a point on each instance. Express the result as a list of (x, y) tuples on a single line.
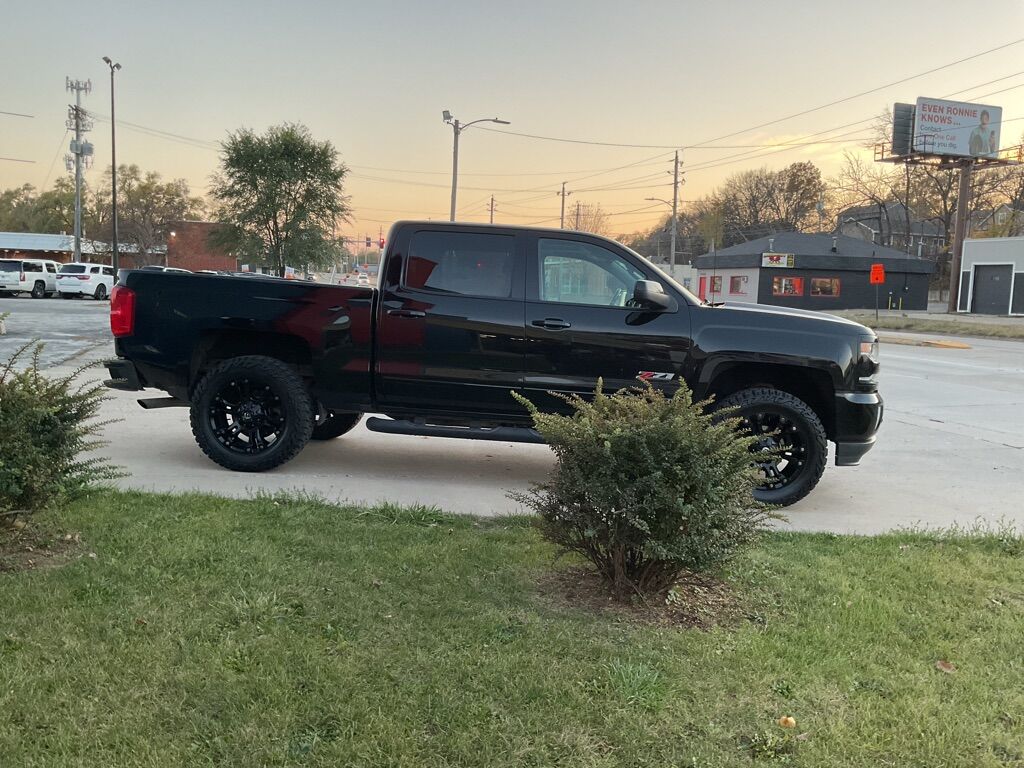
[(281, 196), (146, 207)]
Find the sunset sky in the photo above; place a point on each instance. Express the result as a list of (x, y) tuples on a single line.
[(374, 77)]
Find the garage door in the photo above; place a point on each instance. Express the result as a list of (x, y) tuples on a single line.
[(992, 289)]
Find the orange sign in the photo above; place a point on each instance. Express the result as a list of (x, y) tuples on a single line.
[(877, 274)]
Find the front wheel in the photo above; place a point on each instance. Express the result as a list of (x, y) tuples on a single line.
[(251, 413), (335, 424), (791, 436)]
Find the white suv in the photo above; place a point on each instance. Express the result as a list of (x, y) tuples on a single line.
[(37, 277), (77, 279)]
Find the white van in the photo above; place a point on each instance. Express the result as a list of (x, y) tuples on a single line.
[(79, 279), (36, 277)]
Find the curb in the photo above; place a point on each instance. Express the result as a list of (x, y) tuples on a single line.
[(937, 343)]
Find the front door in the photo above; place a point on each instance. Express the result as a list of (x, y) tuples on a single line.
[(992, 289), (450, 335), (582, 325)]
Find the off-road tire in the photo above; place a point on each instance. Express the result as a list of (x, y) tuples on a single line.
[(284, 382), (775, 401), (335, 425)]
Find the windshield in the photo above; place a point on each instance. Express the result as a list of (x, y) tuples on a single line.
[(72, 269), (668, 278), (10, 266)]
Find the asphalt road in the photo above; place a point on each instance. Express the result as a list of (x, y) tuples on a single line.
[(951, 449), (67, 327)]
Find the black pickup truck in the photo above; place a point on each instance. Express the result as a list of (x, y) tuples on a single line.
[(463, 315)]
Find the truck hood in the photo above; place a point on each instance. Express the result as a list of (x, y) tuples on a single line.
[(771, 312)]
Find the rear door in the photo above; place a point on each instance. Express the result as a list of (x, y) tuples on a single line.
[(10, 275), (450, 334), (582, 324)]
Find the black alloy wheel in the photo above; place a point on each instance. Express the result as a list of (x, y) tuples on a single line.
[(791, 442), (251, 413)]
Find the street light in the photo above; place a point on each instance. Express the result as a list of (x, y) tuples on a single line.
[(458, 128), (672, 239), (115, 260)]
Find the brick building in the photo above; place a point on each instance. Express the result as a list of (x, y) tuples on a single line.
[(188, 247)]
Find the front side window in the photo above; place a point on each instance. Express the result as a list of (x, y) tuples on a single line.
[(787, 286), (51, 267), (571, 272), (108, 271), (824, 286), (463, 263)]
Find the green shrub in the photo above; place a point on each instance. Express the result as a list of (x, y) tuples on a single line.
[(645, 487), (47, 428)]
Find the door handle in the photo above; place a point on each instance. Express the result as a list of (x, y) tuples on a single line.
[(406, 313), (552, 323)]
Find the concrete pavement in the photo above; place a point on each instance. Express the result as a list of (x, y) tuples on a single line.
[(68, 327), (951, 452)]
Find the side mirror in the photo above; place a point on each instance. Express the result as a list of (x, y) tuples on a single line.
[(651, 295)]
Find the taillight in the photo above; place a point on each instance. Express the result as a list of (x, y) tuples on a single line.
[(21, 277), (122, 311)]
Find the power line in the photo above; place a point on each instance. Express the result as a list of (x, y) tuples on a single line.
[(16, 114), (16, 160)]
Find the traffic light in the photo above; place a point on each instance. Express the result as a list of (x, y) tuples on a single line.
[(367, 241), (382, 243)]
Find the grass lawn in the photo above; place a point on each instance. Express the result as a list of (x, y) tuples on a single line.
[(216, 632), (1008, 330)]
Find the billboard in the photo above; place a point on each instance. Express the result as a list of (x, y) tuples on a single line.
[(769, 259), (956, 128)]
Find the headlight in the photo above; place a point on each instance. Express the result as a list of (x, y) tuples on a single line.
[(869, 349)]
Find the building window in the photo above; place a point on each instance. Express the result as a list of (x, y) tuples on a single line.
[(716, 284), (824, 286), (1001, 217), (737, 284), (787, 286)]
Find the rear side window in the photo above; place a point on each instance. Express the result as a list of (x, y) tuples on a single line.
[(94, 270), (10, 266), (33, 266), (72, 269), (463, 263)]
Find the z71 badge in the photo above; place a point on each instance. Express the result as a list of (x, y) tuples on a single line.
[(655, 376)]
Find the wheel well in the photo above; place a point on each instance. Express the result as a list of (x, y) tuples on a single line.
[(811, 385), (223, 345)]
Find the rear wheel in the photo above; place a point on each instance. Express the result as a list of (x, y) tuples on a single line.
[(101, 292), (38, 290), (335, 424), (791, 436), (251, 413)]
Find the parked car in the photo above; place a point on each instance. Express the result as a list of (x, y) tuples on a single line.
[(36, 277), (462, 316), (79, 279), (363, 279)]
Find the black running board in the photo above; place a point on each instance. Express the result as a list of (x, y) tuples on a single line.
[(150, 403), (501, 434)]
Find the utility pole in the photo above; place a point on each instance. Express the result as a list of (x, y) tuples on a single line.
[(675, 212), (115, 261), (492, 209), (79, 150), (564, 195), (455, 166), (578, 214), (959, 233)]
